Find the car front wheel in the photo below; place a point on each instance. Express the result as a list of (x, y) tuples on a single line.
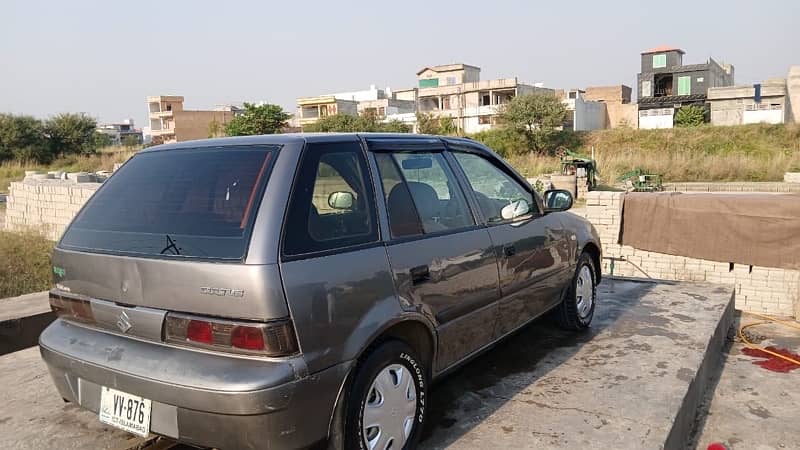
[(577, 307)]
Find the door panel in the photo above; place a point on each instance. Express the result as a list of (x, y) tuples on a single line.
[(534, 274), (532, 249), (459, 292), (443, 265)]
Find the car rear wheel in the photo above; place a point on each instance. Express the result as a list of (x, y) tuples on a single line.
[(577, 307), (386, 406)]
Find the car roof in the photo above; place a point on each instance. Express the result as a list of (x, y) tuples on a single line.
[(300, 138)]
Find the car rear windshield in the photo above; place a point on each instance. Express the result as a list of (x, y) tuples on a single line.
[(184, 203)]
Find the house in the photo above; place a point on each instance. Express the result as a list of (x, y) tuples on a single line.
[(665, 84), (121, 132), (775, 100), (311, 109), (456, 90), (582, 114), (170, 122), (620, 112)]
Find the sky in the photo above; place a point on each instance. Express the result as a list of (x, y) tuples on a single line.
[(104, 57)]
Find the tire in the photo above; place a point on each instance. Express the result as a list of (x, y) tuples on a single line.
[(387, 399), (574, 313)]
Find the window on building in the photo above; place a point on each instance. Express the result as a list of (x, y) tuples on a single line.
[(684, 85), (485, 120), (486, 99), (445, 102), (659, 60), (428, 83), (381, 112), (700, 79), (451, 80), (646, 89), (323, 110)]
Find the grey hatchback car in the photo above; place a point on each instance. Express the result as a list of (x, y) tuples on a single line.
[(303, 290)]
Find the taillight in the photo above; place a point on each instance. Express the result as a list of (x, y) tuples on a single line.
[(71, 308), (268, 339)]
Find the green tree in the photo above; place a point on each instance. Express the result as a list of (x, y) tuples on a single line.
[(447, 126), (131, 141), (262, 119), (22, 137), (102, 140), (536, 115), (70, 133), (345, 123), (427, 123), (690, 116), (395, 126)]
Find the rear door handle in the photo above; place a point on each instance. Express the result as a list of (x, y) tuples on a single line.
[(420, 274), (509, 251)]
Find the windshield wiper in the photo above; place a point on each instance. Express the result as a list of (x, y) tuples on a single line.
[(172, 246)]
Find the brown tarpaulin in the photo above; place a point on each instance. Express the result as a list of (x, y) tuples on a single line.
[(753, 229)]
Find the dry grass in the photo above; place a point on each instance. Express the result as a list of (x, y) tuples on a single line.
[(739, 153), (24, 263), (104, 159)]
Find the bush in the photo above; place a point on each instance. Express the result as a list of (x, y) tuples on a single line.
[(690, 116), (505, 141), (345, 123), (25, 265), (22, 137)]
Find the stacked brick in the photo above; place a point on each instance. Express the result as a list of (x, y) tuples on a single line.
[(791, 177), (759, 289), (47, 205)]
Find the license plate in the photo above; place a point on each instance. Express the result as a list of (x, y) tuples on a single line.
[(125, 411)]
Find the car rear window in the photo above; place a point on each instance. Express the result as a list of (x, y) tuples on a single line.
[(187, 203)]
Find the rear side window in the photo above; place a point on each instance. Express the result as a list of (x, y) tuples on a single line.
[(428, 193), (332, 204), (179, 203)]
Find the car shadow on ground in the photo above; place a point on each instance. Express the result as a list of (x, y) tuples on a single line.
[(462, 400)]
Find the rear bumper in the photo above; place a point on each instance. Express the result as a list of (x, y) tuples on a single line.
[(200, 398)]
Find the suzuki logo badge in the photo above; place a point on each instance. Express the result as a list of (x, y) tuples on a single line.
[(124, 322)]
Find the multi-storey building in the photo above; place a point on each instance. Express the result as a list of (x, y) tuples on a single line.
[(121, 132), (665, 84), (456, 90), (378, 103), (169, 122)]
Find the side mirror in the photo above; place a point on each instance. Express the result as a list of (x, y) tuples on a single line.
[(557, 200), (341, 200), (517, 208)]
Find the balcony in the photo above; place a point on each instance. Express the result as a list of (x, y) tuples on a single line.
[(160, 114), (162, 132)]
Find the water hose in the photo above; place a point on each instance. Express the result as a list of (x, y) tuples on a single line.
[(767, 319)]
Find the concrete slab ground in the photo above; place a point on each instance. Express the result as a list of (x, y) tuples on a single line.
[(752, 407), (33, 416), (633, 381), (22, 319)]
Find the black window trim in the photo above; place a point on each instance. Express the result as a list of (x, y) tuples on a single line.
[(476, 220), (462, 148), (339, 250)]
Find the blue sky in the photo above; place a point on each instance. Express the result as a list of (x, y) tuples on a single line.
[(104, 58)]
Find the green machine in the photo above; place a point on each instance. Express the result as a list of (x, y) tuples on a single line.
[(577, 164), (638, 180)]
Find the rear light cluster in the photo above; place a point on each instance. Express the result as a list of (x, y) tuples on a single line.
[(267, 339), (72, 308)]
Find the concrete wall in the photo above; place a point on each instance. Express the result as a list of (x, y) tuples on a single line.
[(190, 125), (759, 289), (46, 205), (609, 94), (622, 114), (656, 118), (793, 94), (588, 115), (735, 105)]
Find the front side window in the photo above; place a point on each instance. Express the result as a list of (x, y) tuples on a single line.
[(176, 204), (500, 197), (659, 61), (331, 205), (684, 85), (421, 189)]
